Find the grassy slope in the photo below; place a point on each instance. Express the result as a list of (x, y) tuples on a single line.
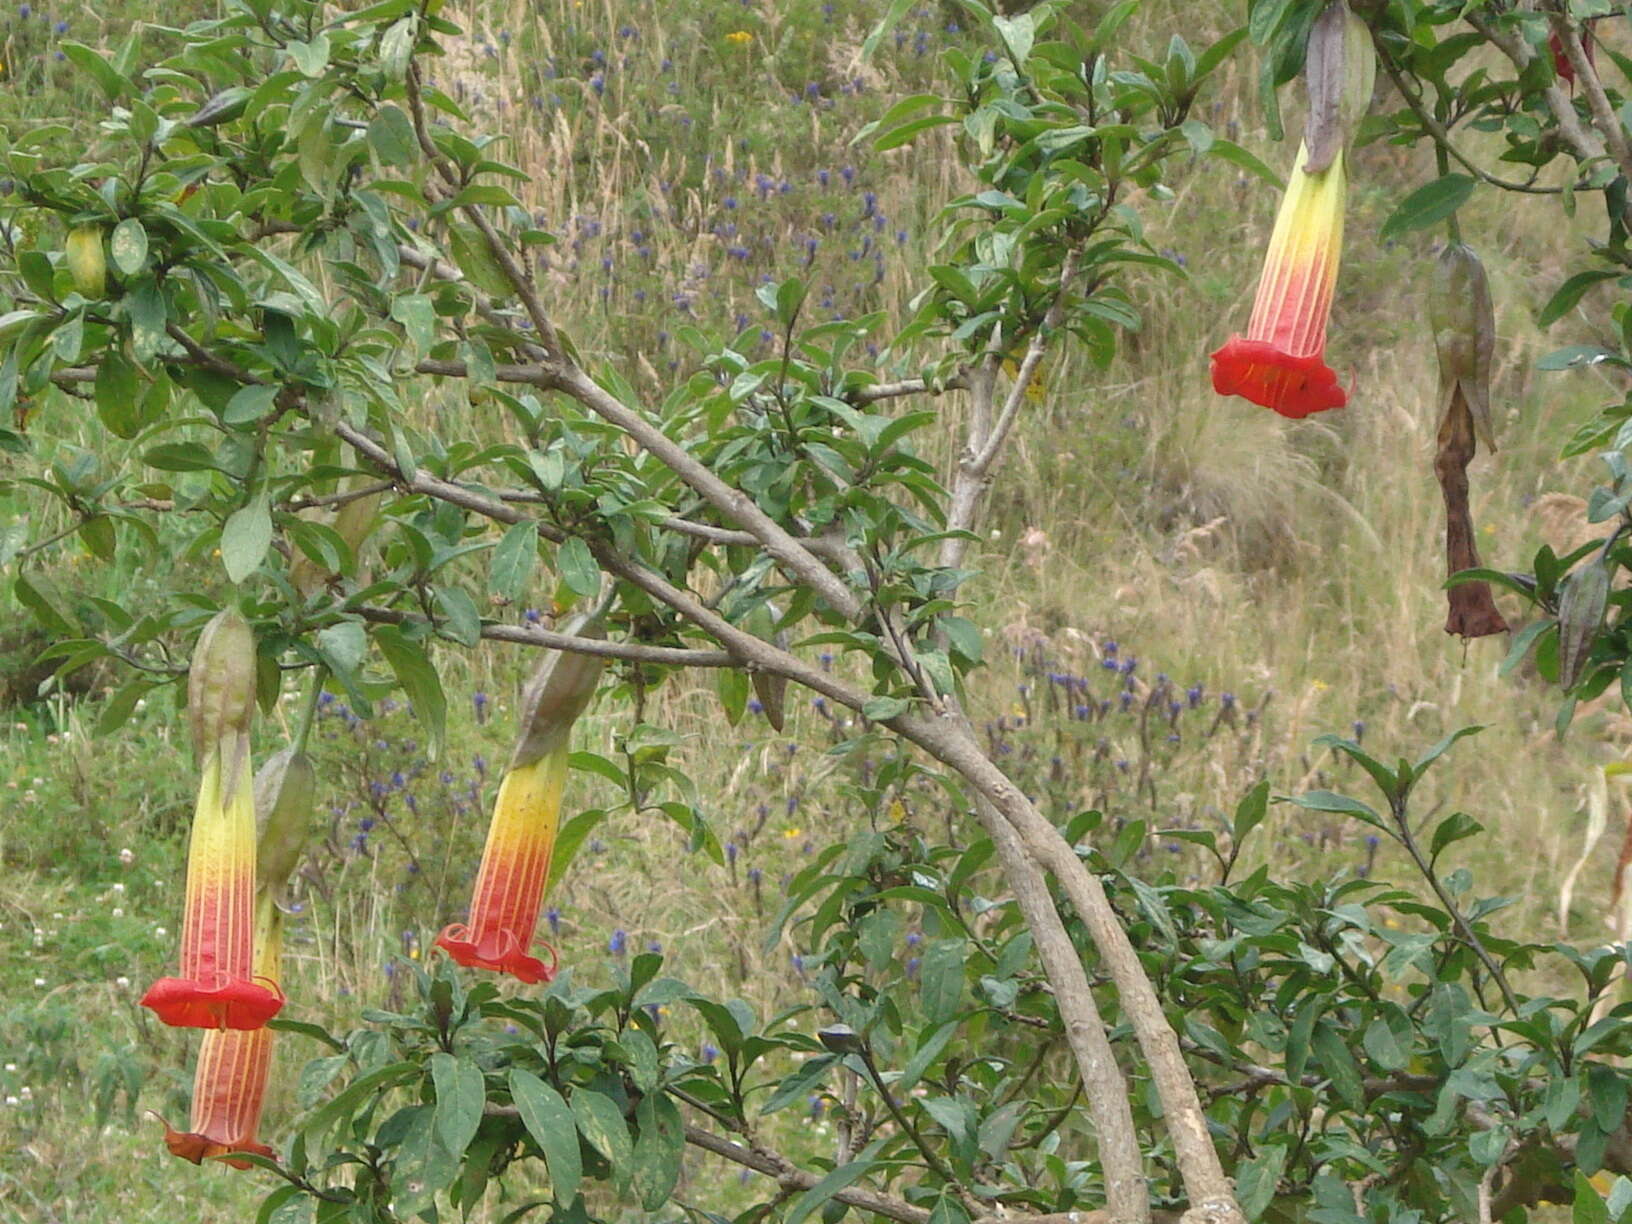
[(1293, 565)]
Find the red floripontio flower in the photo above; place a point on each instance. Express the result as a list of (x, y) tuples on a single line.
[(521, 839), (515, 868), (1281, 361), (229, 1085), (217, 987)]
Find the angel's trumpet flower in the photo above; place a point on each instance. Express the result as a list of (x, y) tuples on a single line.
[(229, 1084), (1281, 362), (509, 892), (217, 986)]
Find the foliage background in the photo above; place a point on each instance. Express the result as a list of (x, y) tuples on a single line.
[(1293, 567)]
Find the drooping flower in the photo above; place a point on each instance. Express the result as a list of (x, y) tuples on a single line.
[(217, 987), (229, 1083), (509, 892), (504, 908), (1281, 362)]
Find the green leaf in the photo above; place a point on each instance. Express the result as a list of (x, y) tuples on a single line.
[(513, 560), (577, 567), (245, 537), (128, 246), (1428, 205), (101, 71), (1256, 1180), (573, 834), (119, 395), (796, 1086), (658, 1149), (1606, 1090), (1328, 801), (601, 1123), (419, 680), (249, 404), (941, 978), (551, 1124), (1454, 828), (1568, 294), (840, 1179), (1384, 1048), (882, 709), (461, 1093), (391, 136), (1333, 1054), (1589, 1206), (1440, 749), (1250, 812)]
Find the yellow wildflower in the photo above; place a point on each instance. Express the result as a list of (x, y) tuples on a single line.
[(739, 38)]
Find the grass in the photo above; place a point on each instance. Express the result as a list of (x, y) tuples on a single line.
[(1292, 566)]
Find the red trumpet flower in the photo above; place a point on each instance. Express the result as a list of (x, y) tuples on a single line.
[(515, 867), (217, 987), (1280, 363)]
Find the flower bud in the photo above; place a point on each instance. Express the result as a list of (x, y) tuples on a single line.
[(221, 682), (558, 693), (86, 262), (1464, 324), (284, 791), (1340, 71)]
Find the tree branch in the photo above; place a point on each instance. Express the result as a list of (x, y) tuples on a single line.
[(1583, 142), (1603, 115), (528, 635)]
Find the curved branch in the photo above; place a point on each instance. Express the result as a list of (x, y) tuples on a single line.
[(527, 635)]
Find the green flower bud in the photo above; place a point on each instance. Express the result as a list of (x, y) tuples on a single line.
[(284, 791), (1464, 324), (1340, 71), (221, 683), (558, 693)]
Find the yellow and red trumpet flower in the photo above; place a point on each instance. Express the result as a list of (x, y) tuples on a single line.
[(515, 870), (1281, 362), (217, 986), (515, 867), (229, 1083)]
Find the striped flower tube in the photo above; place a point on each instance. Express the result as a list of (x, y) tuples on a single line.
[(229, 1083), (217, 987), (510, 883)]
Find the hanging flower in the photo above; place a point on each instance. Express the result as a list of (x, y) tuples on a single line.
[(217, 987), (229, 1083), (1281, 362), (515, 867), (510, 883)]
